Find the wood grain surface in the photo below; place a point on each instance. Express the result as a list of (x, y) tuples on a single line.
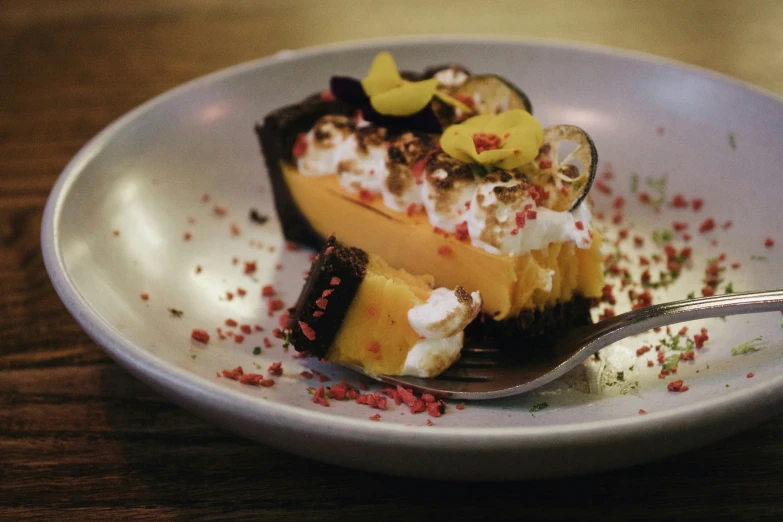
[(82, 440)]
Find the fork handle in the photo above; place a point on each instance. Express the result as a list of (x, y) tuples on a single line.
[(637, 321)]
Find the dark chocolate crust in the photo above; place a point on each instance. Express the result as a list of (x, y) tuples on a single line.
[(325, 313), (533, 328), (277, 135)]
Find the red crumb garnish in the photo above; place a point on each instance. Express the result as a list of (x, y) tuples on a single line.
[(306, 374), (579, 225), (255, 379), (319, 398), (750, 375), (246, 329), (460, 406), (199, 335), (239, 339), (318, 313), (268, 291), (229, 296), (619, 202), (307, 331), (235, 231), (365, 196), (186, 236), (602, 187), (642, 412), (327, 292), (642, 350), (644, 197), (267, 342), (241, 292), (683, 331), (300, 145), (461, 232), (697, 203), (735, 266), (277, 333), (538, 194), (430, 423), (145, 297), (679, 226), (321, 303), (220, 211), (417, 171), (707, 291), (231, 323), (769, 242), (234, 374), (198, 269), (677, 386), (372, 311), (707, 225), (335, 281), (679, 201), (374, 347), (376, 417), (274, 305), (275, 368), (250, 267), (444, 250), (484, 141)]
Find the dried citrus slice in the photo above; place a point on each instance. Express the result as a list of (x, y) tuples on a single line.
[(567, 176), (492, 94)]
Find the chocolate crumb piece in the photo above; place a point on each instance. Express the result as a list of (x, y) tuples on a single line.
[(321, 323), (463, 296), (258, 218)]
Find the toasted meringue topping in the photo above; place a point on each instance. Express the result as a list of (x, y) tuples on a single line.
[(448, 186)]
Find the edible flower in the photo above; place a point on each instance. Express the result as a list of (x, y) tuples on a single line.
[(507, 140), (387, 99)]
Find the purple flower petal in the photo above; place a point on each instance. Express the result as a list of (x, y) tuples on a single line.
[(424, 120), (348, 90)]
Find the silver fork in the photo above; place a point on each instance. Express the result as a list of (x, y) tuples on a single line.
[(489, 373)]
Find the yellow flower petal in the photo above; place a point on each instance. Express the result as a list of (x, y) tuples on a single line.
[(383, 75), (492, 157), (475, 124), (510, 119), (450, 100), (458, 144), (527, 141), (405, 100), (520, 134)]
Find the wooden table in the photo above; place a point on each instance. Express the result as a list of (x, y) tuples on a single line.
[(81, 439)]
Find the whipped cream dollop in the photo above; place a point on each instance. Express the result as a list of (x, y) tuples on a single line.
[(449, 185), (504, 218), (325, 146), (363, 164), (498, 211), (440, 323), (451, 76)]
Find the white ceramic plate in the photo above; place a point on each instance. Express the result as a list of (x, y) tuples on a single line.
[(144, 176)]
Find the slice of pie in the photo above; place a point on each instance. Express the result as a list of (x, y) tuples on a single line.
[(356, 310), (467, 187)]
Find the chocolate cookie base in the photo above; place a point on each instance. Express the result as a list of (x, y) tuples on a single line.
[(532, 328), (330, 287)]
